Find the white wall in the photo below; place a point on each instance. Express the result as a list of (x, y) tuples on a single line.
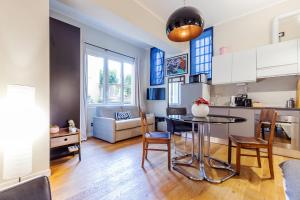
[(96, 37), (24, 60), (251, 30)]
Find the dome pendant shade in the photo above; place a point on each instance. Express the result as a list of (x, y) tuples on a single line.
[(184, 24)]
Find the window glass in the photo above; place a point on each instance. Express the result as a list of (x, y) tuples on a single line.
[(95, 79), (157, 58), (174, 87), (128, 82), (110, 80), (114, 82), (201, 50)]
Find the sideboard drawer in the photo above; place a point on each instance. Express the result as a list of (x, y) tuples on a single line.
[(61, 141)]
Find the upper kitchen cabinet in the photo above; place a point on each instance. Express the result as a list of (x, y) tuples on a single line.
[(298, 56), (244, 66), (278, 59), (221, 69)]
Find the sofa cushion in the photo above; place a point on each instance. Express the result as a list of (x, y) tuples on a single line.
[(123, 115), (108, 111), (134, 110), (127, 124)]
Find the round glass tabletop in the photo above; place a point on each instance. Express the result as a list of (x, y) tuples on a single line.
[(213, 119)]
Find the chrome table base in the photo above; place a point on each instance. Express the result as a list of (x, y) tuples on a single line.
[(198, 161)]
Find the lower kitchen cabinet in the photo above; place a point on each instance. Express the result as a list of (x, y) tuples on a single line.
[(245, 128), (219, 130)]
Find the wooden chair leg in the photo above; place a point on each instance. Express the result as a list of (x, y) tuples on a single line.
[(169, 156), (238, 159), (258, 157), (229, 151), (146, 152), (143, 155), (270, 157)]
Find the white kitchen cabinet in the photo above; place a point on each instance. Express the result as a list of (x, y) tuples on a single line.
[(277, 59), (221, 69), (298, 56), (244, 66)]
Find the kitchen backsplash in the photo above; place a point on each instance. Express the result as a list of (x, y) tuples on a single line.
[(270, 92)]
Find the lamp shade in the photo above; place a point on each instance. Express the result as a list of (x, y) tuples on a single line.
[(184, 24), (16, 141)]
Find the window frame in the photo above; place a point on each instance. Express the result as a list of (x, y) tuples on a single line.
[(93, 51), (212, 52), (171, 80)]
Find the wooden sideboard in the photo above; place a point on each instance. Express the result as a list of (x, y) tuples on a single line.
[(65, 138)]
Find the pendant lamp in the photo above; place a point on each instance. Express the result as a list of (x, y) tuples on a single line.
[(184, 24)]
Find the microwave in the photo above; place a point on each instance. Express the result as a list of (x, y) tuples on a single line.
[(199, 78)]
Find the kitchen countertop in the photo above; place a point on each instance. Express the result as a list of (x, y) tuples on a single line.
[(264, 107)]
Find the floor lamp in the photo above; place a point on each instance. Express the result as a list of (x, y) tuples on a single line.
[(17, 145)]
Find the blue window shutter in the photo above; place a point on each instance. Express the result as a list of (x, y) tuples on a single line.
[(157, 58), (201, 52)]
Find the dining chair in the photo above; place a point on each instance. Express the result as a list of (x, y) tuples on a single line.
[(154, 138), (267, 116), (177, 126)]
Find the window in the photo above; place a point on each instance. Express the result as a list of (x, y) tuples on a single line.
[(174, 85), (157, 58), (201, 49), (110, 78)]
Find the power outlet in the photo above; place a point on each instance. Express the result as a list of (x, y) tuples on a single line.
[(92, 124)]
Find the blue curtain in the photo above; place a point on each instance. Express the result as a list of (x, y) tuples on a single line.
[(157, 58), (201, 50)]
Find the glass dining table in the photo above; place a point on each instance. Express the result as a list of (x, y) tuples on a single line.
[(201, 128)]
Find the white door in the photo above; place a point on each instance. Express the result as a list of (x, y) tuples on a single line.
[(244, 66), (221, 69)]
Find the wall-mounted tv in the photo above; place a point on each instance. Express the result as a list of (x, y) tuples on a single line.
[(156, 94)]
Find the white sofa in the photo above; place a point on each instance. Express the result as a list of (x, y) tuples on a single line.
[(105, 127)]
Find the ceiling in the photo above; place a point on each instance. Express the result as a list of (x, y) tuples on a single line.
[(214, 11), (142, 22)]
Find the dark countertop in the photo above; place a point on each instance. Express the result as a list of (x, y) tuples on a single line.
[(257, 108)]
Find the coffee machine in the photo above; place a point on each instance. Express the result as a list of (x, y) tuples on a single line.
[(243, 101)]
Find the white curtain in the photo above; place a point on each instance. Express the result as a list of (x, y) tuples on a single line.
[(138, 95), (83, 99)]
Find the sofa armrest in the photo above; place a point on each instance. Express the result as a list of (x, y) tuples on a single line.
[(104, 128)]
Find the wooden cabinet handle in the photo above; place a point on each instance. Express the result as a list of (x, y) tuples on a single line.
[(65, 139)]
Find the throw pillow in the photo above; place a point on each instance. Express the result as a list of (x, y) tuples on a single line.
[(122, 115)]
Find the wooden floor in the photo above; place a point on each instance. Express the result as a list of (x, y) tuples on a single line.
[(112, 171)]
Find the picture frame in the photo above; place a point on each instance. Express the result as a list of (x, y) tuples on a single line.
[(177, 65)]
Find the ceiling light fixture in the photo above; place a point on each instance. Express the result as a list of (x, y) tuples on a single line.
[(184, 24)]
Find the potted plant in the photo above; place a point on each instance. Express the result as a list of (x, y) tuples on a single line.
[(200, 107)]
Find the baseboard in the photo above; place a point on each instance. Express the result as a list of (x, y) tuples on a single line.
[(46, 172), (15, 181), (8, 183)]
